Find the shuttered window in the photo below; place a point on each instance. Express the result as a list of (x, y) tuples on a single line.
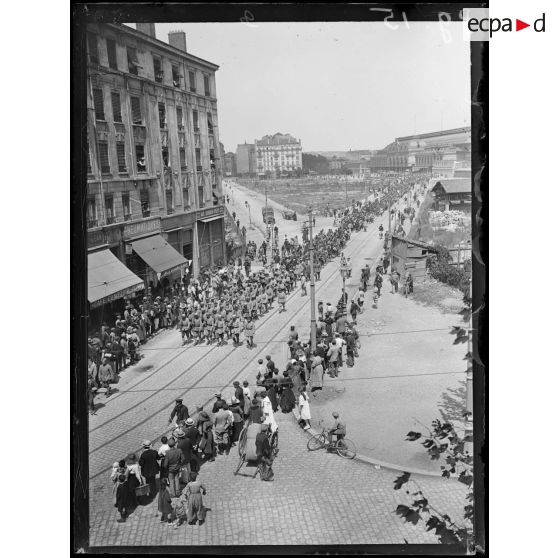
[(158, 69), (111, 51), (93, 48), (132, 60), (198, 159), (136, 110), (183, 163), (195, 119), (126, 205), (116, 108), (104, 157), (192, 79), (144, 200), (162, 116), (121, 156), (206, 85), (186, 197), (168, 195), (98, 104), (179, 118)]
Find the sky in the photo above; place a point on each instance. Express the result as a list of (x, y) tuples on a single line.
[(334, 85)]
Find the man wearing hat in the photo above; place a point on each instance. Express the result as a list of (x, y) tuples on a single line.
[(185, 445), (172, 463), (149, 466), (219, 404), (270, 364), (239, 393), (338, 428), (190, 431), (180, 411)]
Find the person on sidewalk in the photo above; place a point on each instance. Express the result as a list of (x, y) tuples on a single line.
[(180, 411), (394, 278), (338, 429), (172, 463), (149, 466), (264, 453), (193, 491), (106, 376), (304, 405), (121, 497), (164, 502)]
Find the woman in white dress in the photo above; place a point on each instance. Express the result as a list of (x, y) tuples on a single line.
[(304, 408)]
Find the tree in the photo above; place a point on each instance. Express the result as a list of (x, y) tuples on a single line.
[(443, 442)]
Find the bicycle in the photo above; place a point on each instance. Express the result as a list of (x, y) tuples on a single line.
[(343, 446)]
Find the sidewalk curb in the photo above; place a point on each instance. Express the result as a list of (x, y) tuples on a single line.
[(376, 463)]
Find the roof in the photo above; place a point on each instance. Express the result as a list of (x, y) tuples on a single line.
[(277, 139), (417, 243), (160, 44), (454, 185), (436, 134)]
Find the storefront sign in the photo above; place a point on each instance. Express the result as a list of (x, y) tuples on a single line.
[(142, 227), (211, 212)]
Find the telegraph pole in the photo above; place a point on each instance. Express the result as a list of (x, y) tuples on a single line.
[(312, 287)]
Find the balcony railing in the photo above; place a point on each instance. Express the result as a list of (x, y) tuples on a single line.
[(170, 211)]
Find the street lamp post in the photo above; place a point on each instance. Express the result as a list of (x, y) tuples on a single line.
[(312, 286)]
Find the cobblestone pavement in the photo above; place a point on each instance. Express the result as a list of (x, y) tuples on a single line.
[(312, 491), (316, 498)]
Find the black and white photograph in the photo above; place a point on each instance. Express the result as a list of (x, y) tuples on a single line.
[(281, 279)]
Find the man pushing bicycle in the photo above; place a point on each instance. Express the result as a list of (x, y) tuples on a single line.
[(338, 429)]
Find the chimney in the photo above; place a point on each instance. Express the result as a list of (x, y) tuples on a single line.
[(147, 28), (177, 39)]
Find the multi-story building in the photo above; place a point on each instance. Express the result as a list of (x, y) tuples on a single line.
[(154, 197), (230, 164), (278, 155), (245, 159)]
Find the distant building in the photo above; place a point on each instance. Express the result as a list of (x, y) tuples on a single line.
[(279, 155), (452, 193), (409, 256), (230, 164), (360, 169), (337, 163), (246, 159), (358, 155)]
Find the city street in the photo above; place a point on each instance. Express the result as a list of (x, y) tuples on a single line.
[(360, 494)]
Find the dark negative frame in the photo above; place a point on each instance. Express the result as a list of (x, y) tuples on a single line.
[(81, 14)]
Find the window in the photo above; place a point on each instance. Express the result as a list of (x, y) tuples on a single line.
[(109, 208), (183, 163), (162, 116), (140, 158), (121, 156), (212, 158), (116, 108), (158, 69), (175, 76), (91, 212), (89, 170), (206, 85), (111, 51), (98, 104), (179, 118), (133, 63), (185, 197), (126, 206), (209, 124), (200, 196), (104, 157), (168, 196), (192, 79), (198, 159), (195, 119), (165, 154), (144, 201), (136, 110), (93, 48)]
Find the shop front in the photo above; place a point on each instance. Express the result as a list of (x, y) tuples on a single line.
[(162, 264), (211, 237), (109, 283)]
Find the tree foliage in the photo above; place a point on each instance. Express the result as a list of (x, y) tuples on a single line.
[(439, 267)]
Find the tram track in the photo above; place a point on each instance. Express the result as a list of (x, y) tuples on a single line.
[(152, 415)]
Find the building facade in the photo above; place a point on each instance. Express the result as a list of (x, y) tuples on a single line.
[(230, 164), (279, 155), (154, 164), (245, 159)]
